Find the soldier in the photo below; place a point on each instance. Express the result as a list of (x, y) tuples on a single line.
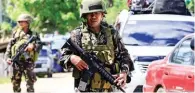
[(101, 38), (20, 34)]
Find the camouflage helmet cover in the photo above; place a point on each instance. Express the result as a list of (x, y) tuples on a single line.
[(25, 17), (89, 6)]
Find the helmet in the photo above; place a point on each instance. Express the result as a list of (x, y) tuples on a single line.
[(89, 6), (25, 17)]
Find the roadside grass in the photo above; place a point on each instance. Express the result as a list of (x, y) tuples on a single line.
[(4, 80)]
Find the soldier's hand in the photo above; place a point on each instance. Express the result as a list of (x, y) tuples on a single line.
[(78, 62), (9, 61), (121, 79), (30, 47)]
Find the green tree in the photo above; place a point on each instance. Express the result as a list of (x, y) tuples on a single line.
[(49, 15), (113, 11), (52, 15), (190, 5), (5, 29)]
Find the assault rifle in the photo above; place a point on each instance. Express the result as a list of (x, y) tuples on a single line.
[(15, 59), (94, 65)]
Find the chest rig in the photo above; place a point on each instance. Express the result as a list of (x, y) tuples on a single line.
[(19, 39), (104, 51)]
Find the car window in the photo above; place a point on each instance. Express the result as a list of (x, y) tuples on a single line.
[(183, 54), (57, 44), (43, 52), (54, 51), (155, 32)]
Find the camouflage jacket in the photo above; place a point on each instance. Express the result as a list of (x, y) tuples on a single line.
[(119, 48), (16, 37)]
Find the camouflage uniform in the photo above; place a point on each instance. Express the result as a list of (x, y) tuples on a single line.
[(108, 47), (19, 37)]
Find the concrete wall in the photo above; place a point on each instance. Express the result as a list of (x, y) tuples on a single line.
[(3, 65)]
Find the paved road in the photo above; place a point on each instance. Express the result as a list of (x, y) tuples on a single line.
[(60, 83)]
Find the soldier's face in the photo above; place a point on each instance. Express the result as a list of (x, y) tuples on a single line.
[(94, 19), (23, 24)]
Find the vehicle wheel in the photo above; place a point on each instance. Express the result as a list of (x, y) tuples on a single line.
[(139, 88), (160, 90), (41, 76), (49, 74), (69, 69)]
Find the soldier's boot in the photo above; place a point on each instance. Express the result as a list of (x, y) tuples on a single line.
[(16, 86), (30, 89), (16, 89)]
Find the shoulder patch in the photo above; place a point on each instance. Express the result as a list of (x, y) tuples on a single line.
[(75, 32)]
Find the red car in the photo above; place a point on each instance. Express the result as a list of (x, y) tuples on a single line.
[(174, 73)]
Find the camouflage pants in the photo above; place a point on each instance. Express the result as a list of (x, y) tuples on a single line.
[(27, 70)]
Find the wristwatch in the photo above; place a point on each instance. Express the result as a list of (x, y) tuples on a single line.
[(125, 68)]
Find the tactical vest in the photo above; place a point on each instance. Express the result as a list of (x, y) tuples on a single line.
[(20, 38), (104, 52)]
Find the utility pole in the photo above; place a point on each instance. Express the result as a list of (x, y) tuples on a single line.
[(110, 4), (1, 11)]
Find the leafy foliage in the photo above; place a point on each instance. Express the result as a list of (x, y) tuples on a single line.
[(49, 15), (112, 12), (5, 28), (60, 15), (190, 5), (4, 80)]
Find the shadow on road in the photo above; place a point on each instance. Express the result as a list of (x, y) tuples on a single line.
[(138, 89)]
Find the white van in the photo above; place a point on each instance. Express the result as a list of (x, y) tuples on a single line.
[(151, 37), (44, 64)]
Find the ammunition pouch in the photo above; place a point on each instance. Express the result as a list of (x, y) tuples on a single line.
[(114, 68), (99, 84), (96, 81), (27, 56)]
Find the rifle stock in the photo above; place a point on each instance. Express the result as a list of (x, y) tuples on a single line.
[(93, 62)]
